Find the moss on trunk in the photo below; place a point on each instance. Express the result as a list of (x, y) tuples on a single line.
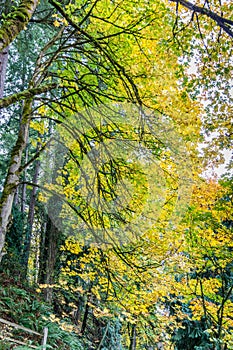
[(15, 21), (12, 179)]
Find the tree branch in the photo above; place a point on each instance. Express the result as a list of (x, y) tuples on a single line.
[(38, 153), (125, 77), (6, 101), (222, 22)]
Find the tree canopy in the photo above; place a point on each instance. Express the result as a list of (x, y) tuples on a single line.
[(111, 112)]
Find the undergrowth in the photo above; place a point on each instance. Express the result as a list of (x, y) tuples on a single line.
[(21, 304)]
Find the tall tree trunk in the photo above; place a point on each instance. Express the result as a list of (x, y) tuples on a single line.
[(42, 253), (24, 187), (132, 345), (48, 258), (30, 219), (12, 178), (84, 323), (4, 53), (17, 20), (3, 65), (53, 236), (52, 232)]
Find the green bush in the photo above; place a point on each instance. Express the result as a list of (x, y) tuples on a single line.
[(24, 307)]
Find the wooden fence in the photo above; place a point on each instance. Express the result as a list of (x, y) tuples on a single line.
[(14, 325)]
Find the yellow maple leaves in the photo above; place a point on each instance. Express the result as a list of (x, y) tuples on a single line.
[(59, 21)]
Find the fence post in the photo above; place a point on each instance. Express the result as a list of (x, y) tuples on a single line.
[(45, 336), (17, 326)]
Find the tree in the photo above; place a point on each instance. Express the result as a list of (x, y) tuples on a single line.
[(35, 88), (15, 21), (108, 124), (206, 283), (93, 84), (203, 33)]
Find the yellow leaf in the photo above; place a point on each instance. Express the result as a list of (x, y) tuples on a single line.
[(56, 23)]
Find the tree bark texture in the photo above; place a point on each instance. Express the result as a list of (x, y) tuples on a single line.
[(48, 258), (15, 21), (53, 236), (30, 219), (3, 64), (24, 187), (26, 94), (84, 323), (12, 178), (132, 345)]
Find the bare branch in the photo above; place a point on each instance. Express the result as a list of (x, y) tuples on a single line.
[(222, 22)]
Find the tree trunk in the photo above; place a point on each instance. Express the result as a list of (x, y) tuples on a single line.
[(17, 20), (30, 219), (50, 244), (3, 65), (4, 53), (84, 323), (53, 237), (42, 254), (24, 187), (132, 345), (12, 178)]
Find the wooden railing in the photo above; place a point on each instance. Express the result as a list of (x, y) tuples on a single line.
[(15, 325)]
